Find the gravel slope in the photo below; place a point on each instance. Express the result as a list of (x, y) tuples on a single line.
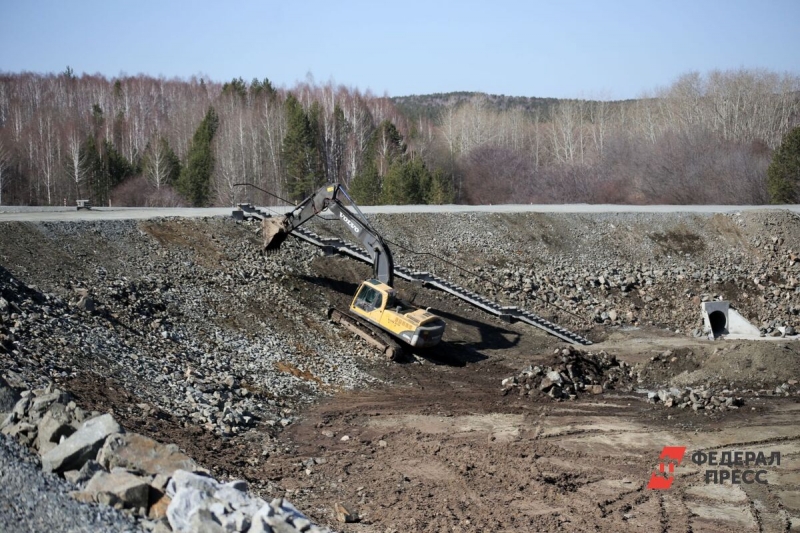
[(182, 325)]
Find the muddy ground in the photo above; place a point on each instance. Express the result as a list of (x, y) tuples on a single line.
[(434, 444)]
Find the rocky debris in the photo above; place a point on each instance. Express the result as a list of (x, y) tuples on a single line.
[(222, 343), (200, 503), (571, 372), (8, 396), (119, 487), (345, 513), (74, 451), (54, 425), (155, 483), (697, 399)]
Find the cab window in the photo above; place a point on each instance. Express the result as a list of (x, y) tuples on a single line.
[(369, 299)]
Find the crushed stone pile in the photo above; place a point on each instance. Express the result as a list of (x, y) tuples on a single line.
[(697, 399), (571, 372), (138, 483)]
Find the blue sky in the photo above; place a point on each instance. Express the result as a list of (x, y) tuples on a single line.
[(568, 48)]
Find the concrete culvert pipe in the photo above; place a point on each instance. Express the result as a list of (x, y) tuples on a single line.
[(718, 322)]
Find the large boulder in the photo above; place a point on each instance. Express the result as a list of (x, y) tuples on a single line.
[(199, 500), (55, 423), (142, 454), (81, 445), (119, 487)]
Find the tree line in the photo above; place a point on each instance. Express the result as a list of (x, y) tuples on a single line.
[(151, 141)]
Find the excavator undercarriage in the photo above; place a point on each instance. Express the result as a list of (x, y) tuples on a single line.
[(380, 340)]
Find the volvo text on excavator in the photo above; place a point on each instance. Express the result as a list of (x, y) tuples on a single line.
[(376, 308)]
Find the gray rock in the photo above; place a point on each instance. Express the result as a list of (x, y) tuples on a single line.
[(9, 419), (259, 520), (132, 491), (41, 403), (81, 446), (279, 524), (204, 521), (9, 396), (181, 479), (82, 476), (54, 424), (142, 454), (185, 502), (21, 407)]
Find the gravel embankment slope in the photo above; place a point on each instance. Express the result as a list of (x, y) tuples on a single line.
[(184, 325)]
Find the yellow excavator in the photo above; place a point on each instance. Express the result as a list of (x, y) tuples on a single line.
[(376, 310)]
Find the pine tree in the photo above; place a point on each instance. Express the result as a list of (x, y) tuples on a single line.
[(441, 190), (406, 182), (91, 163), (365, 188), (299, 152), (195, 179), (783, 174)]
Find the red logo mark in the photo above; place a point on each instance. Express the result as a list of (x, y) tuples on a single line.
[(671, 456)]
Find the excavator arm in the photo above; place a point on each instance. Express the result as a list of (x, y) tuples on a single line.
[(330, 197)]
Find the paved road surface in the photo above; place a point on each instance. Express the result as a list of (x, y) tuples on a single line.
[(42, 214)]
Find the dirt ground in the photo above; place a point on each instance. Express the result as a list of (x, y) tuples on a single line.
[(449, 452), (439, 447), (436, 445)]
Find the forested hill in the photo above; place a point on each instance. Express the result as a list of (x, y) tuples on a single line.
[(140, 140), (429, 106)]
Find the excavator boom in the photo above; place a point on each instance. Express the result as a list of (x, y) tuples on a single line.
[(375, 303), (330, 197)]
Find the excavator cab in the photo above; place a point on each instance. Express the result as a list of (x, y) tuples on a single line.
[(378, 303)]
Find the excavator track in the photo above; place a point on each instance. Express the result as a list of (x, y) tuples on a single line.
[(389, 347)]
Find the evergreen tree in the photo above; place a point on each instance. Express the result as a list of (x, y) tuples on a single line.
[(236, 87), (406, 182), (173, 162), (365, 188), (91, 163), (384, 148), (195, 178), (783, 174), (265, 87), (97, 119), (115, 165), (335, 151), (299, 153), (318, 137), (440, 189)]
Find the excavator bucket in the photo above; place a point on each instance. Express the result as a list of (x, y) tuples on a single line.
[(274, 234)]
